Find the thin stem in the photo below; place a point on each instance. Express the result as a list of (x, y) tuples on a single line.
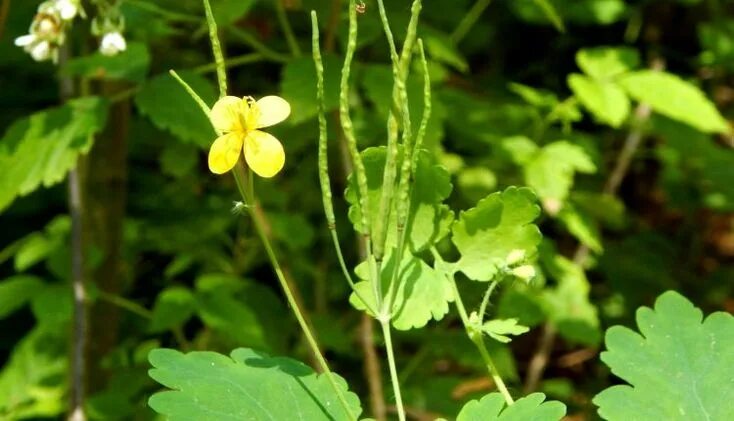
[(372, 370), (216, 49), (259, 223), (257, 45), (200, 102), (474, 335), (125, 304), (385, 324), (485, 300), (151, 7), (468, 21), (287, 29), (244, 59), (76, 210)]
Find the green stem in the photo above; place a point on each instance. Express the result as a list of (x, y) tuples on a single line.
[(257, 45), (150, 7), (216, 49), (287, 29), (249, 197), (474, 335), (485, 300), (244, 59), (393, 368), (469, 20)]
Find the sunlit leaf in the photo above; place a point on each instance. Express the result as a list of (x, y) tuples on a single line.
[(173, 307), (551, 171), (501, 329), (500, 223), (246, 385), (675, 98), (679, 366), (607, 62), (16, 291), (606, 101), (39, 150)]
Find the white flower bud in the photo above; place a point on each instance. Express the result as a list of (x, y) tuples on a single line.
[(516, 256), (525, 272), (67, 9), (41, 51), (112, 43), (25, 40)]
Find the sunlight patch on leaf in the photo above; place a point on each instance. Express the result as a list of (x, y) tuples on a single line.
[(492, 407)]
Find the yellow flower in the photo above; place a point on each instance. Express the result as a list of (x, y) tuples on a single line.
[(238, 120)]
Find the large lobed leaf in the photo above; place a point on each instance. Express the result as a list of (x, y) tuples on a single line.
[(41, 149), (499, 224), (245, 386), (492, 407), (677, 367)]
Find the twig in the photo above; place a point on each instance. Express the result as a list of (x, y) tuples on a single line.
[(79, 335), (469, 20)]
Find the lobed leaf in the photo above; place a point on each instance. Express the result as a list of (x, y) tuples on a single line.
[(679, 366), (492, 407), (245, 385), (499, 224)]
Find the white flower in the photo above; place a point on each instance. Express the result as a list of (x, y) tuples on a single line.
[(41, 51), (25, 40), (112, 43), (67, 9)]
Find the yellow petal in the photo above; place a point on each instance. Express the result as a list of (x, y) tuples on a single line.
[(225, 152), (228, 114), (272, 110), (264, 153)]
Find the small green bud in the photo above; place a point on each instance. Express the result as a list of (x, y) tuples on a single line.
[(525, 272)]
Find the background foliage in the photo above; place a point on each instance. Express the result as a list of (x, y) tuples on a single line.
[(516, 102)]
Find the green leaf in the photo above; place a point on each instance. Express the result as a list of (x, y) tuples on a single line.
[(492, 407), (39, 245), (606, 101), (551, 14), (675, 98), (499, 224), (41, 149), (428, 219), (32, 384), (131, 64), (16, 291), (241, 312), (535, 97), (173, 307), (440, 48), (171, 108), (581, 226), (179, 159), (423, 293), (550, 173), (679, 366), (603, 63), (227, 12), (499, 329), (245, 385), (298, 86), (567, 304)]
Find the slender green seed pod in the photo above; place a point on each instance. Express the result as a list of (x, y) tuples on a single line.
[(200, 102), (323, 135), (216, 49), (347, 125)]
